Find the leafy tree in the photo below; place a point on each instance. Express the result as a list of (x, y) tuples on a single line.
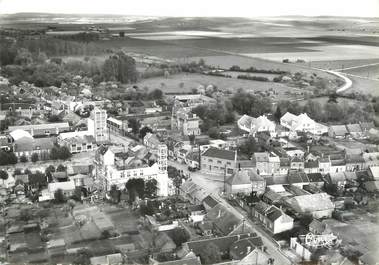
[(59, 196), (120, 67), (77, 196), (180, 236), (61, 168), (314, 110), (34, 158), (135, 186), (246, 103), (23, 57), (37, 179), (156, 94), (144, 131), (192, 138), (23, 159), (7, 158), (82, 257), (278, 114), (48, 172), (115, 194), (134, 124), (3, 175), (60, 152), (151, 188), (249, 146), (210, 254)]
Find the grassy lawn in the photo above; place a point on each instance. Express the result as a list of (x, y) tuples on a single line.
[(118, 217), (364, 86), (184, 83)]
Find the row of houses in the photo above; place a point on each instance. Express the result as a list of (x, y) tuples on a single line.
[(356, 131), (303, 123)]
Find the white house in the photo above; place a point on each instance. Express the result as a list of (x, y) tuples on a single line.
[(254, 125), (273, 218), (302, 123)]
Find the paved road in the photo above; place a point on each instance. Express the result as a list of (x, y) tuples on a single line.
[(214, 185)]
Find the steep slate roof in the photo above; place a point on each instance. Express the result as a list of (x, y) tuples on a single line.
[(210, 201), (219, 153), (297, 177), (223, 219), (339, 130), (354, 128), (365, 126), (243, 177), (315, 177)]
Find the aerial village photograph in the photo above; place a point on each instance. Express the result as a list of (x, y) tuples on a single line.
[(163, 132)]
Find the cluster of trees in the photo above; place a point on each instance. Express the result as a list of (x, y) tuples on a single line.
[(254, 78), (246, 103), (250, 146), (60, 152), (7, 158), (331, 111), (32, 65), (120, 67), (214, 116), (236, 68), (48, 45), (136, 187)]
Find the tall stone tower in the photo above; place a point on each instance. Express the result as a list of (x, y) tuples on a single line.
[(162, 158)]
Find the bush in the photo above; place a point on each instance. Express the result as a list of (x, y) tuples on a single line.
[(23, 159), (7, 158), (254, 78), (34, 157)]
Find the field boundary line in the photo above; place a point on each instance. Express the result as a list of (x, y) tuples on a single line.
[(356, 67)]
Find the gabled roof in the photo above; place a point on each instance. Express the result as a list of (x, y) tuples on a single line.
[(297, 177), (219, 153), (224, 220), (339, 130), (374, 171), (312, 202), (210, 201), (242, 177), (315, 177), (366, 126), (18, 134), (311, 164), (354, 128)]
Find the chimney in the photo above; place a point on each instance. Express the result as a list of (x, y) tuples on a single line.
[(238, 237)]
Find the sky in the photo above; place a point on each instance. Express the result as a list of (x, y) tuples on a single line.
[(224, 8)]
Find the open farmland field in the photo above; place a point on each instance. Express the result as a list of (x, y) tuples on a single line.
[(364, 85), (190, 81), (368, 71), (236, 74), (154, 48), (323, 53), (340, 64)]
